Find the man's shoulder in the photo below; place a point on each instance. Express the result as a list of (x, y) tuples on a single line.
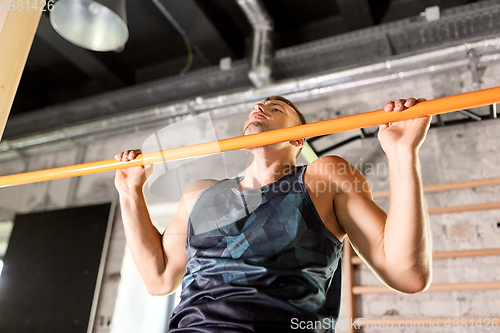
[(201, 185), (330, 159), (334, 168), (326, 165), (194, 190)]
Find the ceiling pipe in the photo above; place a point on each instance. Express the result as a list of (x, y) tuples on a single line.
[(451, 58), (262, 47), (181, 32)]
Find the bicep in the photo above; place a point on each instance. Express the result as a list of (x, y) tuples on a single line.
[(174, 236), (362, 220), (355, 211), (174, 245), (364, 223), (358, 215)]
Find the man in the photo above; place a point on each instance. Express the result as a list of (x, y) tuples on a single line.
[(263, 250)]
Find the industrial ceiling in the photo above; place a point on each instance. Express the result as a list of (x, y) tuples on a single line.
[(64, 85)]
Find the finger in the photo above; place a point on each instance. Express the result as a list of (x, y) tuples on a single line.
[(410, 102), (137, 152), (399, 105), (382, 127), (119, 156), (131, 155), (389, 106), (127, 156), (421, 100)]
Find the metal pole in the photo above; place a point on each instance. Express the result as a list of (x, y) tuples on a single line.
[(427, 108)]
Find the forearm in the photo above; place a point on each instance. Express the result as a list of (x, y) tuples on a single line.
[(143, 239), (407, 243)]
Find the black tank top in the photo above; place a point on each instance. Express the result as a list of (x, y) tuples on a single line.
[(258, 261)]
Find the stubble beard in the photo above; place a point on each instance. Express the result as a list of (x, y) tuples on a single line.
[(255, 127)]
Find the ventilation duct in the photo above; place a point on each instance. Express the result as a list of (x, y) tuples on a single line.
[(305, 88), (262, 48)]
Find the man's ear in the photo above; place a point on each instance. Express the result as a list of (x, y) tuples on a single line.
[(298, 143)]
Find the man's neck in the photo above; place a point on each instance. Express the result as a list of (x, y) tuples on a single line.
[(266, 166)]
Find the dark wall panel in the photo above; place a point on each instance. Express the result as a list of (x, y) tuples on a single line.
[(50, 270)]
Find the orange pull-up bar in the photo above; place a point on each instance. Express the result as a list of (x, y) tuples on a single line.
[(427, 108)]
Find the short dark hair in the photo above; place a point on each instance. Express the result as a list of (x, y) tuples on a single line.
[(283, 99), (301, 116)]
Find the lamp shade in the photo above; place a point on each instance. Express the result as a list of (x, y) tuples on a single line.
[(94, 25)]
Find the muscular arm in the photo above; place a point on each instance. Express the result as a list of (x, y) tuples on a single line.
[(396, 246), (407, 241), (160, 258)]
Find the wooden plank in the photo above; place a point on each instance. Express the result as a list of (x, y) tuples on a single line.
[(16, 36), (382, 289), (466, 253), (3, 18), (355, 260), (465, 208), (348, 281), (448, 187)]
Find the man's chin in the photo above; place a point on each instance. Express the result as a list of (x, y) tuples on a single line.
[(254, 128)]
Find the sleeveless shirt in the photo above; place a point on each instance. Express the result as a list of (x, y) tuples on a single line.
[(258, 260)]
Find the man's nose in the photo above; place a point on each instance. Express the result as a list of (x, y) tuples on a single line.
[(259, 107)]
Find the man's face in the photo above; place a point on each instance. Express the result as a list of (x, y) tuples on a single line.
[(269, 116)]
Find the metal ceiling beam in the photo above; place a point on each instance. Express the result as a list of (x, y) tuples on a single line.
[(356, 13), (326, 55), (146, 95), (226, 103), (191, 21), (411, 35), (84, 60)]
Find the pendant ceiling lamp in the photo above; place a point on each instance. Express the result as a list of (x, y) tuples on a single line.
[(94, 25)]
